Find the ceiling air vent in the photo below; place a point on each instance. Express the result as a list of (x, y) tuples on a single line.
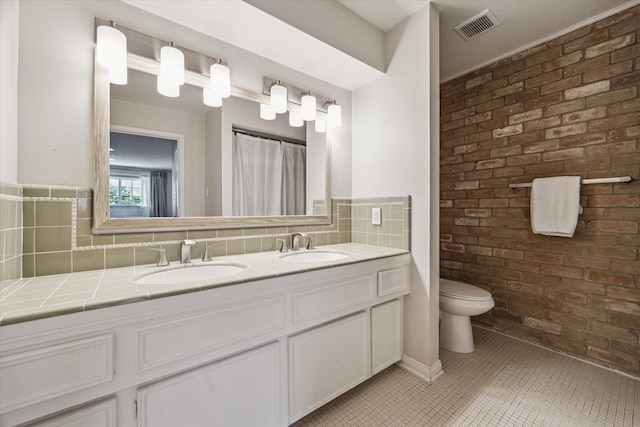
[(477, 25)]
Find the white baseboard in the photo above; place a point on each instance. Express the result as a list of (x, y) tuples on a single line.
[(427, 373)]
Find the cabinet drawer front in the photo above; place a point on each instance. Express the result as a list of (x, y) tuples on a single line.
[(391, 281), (243, 390), (56, 370), (171, 341), (315, 303)]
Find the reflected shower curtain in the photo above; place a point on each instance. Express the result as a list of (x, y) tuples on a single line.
[(268, 177), (158, 206)]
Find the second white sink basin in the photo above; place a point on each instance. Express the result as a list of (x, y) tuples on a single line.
[(191, 274), (313, 256)]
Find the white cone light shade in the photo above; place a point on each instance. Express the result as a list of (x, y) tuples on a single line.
[(111, 51), (321, 126), (167, 88), (266, 112), (172, 65), (210, 98), (295, 120), (220, 82), (334, 116), (278, 98), (308, 103)]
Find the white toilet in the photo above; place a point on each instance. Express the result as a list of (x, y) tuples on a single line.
[(458, 301)]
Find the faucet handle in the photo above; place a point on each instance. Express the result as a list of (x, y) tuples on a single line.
[(207, 253), (163, 256), (310, 243), (188, 242), (283, 246)]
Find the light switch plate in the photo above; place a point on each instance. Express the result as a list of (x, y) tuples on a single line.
[(376, 216)]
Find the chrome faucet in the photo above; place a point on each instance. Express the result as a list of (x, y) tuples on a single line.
[(185, 251), (295, 238)]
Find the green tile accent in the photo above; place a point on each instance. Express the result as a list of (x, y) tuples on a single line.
[(235, 247), (145, 256), (53, 213), (28, 240), (169, 236), (28, 214), (119, 257), (36, 191), (66, 192), (102, 239), (53, 263), (52, 239), (88, 260), (28, 265), (85, 208), (133, 238)]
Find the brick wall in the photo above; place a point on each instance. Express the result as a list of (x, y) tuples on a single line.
[(570, 106)]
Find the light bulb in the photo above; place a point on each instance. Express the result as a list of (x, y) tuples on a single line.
[(111, 51), (295, 120), (167, 88), (308, 103), (210, 98), (278, 99), (172, 65), (321, 126), (266, 112), (220, 80), (334, 115)]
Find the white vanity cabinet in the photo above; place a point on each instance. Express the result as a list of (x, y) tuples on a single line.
[(260, 353)]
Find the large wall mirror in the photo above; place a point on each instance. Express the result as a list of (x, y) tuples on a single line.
[(172, 163)]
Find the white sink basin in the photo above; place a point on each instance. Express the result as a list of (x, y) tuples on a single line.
[(313, 256), (191, 274)]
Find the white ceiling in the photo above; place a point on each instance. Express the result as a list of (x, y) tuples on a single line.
[(523, 24)]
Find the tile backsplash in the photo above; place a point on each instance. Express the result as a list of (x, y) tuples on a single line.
[(56, 232), (10, 231)]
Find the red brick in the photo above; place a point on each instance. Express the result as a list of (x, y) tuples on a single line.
[(587, 164), (523, 159), (587, 65), (583, 287), (490, 164), (612, 252), (566, 296), (627, 53), (563, 61), (477, 81), (525, 117), (617, 359), (629, 267), (542, 325), (610, 45), (525, 74), (556, 270), (542, 124), (461, 114), (543, 101), (626, 307), (566, 344), (612, 331), (560, 131), (625, 134), (585, 337), (587, 90), (542, 146), (564, 107), (584, 139), (561, 85), (506, 131), (586, 41), (609, 278), (624, 293), (611, 97), (613, 226), (585, 312), (566, 320), (592, 262), (507, 90), (584, 115), (543, 79), (607, 72), (544, 169), (491, 105), (570, 153), (544, 257), (628, 200)]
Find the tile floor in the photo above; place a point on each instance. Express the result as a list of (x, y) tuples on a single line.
[(505, 382)]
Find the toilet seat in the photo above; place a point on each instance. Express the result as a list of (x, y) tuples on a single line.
[(463, 291)]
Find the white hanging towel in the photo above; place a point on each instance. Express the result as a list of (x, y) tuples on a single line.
[(555, 205)]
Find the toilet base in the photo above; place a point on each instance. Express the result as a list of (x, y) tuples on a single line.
[(455, 333)]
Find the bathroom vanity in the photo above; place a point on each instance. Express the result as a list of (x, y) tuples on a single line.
[(263, 347)]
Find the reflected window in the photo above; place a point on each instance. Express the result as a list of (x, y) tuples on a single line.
[(126, 191)]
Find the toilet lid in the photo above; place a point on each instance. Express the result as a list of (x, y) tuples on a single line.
[(455, 289)]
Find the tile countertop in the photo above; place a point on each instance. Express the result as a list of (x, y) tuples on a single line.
[(39, 297)]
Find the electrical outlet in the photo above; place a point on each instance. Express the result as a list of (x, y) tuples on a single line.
[(376, 216)]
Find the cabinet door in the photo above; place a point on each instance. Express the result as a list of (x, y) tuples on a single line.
[(327, 361), (101, 414), (386, 335), (243, 391)]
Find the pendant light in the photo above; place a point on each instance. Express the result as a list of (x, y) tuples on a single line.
[(334, 115), (295, 119), (111, 51), (266, 112), (321, 126), (220, 79), (308, 103), (278, 100), (210, 98), (171, 71)]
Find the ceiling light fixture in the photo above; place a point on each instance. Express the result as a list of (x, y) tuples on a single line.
[(171, 71), (266, 112), (111, 51), (334, 115), (210, 98), (295, 119), (278, 97), (308, 104), (220, 79)]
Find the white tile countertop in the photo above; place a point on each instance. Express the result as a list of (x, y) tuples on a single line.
[(33, 298)]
